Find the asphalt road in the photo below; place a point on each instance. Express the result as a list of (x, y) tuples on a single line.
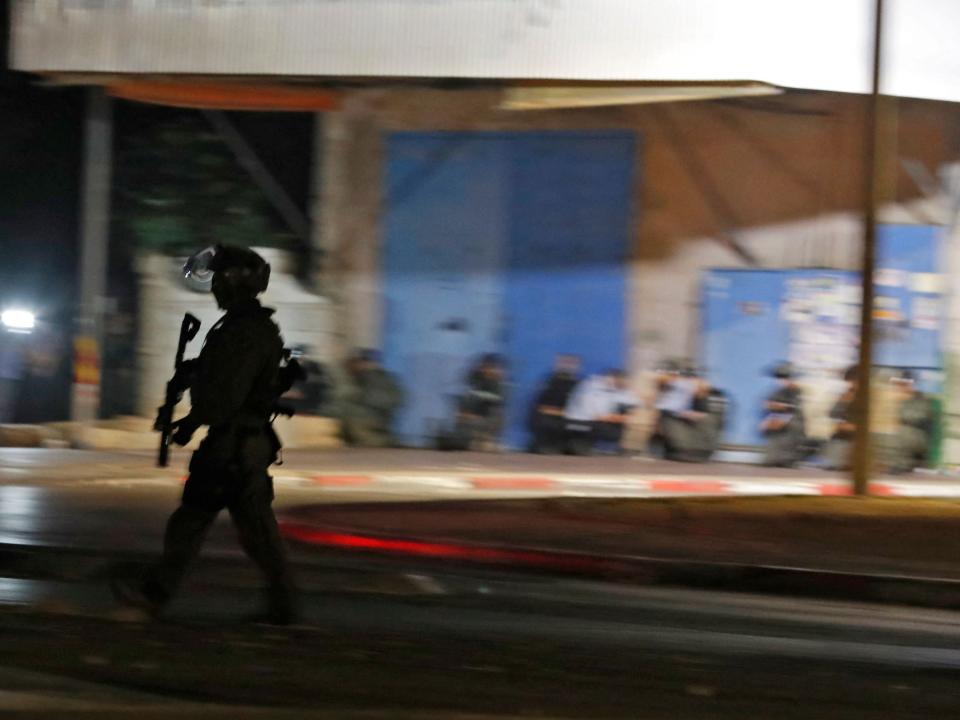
[(408, 639), (392, 637)]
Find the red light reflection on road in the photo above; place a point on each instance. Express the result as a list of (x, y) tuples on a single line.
[(313, 536)]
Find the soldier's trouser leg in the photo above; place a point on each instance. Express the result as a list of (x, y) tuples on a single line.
[(610, 434), (783, 448), (905, 450), (580, 438), (837, 453), (549, 433), (186, 530), (678, 437), (493, 428), (360, 429), (260, 538)]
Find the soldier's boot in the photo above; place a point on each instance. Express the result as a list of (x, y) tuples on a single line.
[(260, 538), (280, 608), (144, 595), (151, 591)]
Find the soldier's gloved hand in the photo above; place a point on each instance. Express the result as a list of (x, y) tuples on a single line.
[(183, 430)]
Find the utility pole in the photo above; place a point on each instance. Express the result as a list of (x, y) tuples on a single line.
[(94, 241), (862, 455)]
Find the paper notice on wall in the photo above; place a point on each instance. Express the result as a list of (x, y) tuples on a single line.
[(796, 310), (805, 356), (752, 308), (807, 334), (890, 277), (851, 315), (928, 283), (888, 308), (850, 293), (831, 306), (925, 313), (810, 357)]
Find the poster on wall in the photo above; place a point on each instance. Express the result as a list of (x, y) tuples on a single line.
[(925, 314), (823, 316)]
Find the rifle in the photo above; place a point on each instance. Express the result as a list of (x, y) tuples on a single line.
[(290, 373), (175, 387)]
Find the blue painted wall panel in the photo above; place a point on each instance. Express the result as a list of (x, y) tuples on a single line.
[(566, 282), (502, 242), (744, 330), (909, 250), (442, 262), (743, 336)]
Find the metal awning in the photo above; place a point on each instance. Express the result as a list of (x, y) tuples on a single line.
[(815, 44)]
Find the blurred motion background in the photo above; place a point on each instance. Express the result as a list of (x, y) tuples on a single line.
[(612, 183), (634, 230)]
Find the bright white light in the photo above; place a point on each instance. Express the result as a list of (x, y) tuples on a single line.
[(18, 320)]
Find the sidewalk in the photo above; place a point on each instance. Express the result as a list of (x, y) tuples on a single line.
[(431, 473), (619, 518)]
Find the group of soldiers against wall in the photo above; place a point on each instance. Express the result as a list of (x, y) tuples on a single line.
[(584, 415), (901, 447)]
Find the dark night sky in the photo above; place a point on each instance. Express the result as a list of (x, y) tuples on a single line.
[(41, 146), (41, 133), (39, 143), (282, 141)]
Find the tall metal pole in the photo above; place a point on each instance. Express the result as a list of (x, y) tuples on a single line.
[(862, 456), (94, 238)]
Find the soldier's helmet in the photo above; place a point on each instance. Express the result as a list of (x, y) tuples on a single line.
[(688, 368), (784, 371), (904, 377), (669, 366), (239, 272)]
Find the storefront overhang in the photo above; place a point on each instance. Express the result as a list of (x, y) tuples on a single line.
[(815, 44)]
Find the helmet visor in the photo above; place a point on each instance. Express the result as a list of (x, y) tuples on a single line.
[(198, 270)]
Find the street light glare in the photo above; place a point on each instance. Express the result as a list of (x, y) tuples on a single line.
[(18, 320)]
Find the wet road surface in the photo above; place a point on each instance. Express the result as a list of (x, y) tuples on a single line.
[(401, 638)]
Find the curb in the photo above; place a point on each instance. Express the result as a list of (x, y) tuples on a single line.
[(650, 485), (732, 577), (557, 485)]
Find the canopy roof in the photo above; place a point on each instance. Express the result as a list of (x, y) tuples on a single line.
[(815, 44)]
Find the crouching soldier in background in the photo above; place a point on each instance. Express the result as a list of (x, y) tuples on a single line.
[(691, 414), (910, 445), (597, 413), (548, 426), (369, 401), (480, 414), (783, 423), (839, 448)]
